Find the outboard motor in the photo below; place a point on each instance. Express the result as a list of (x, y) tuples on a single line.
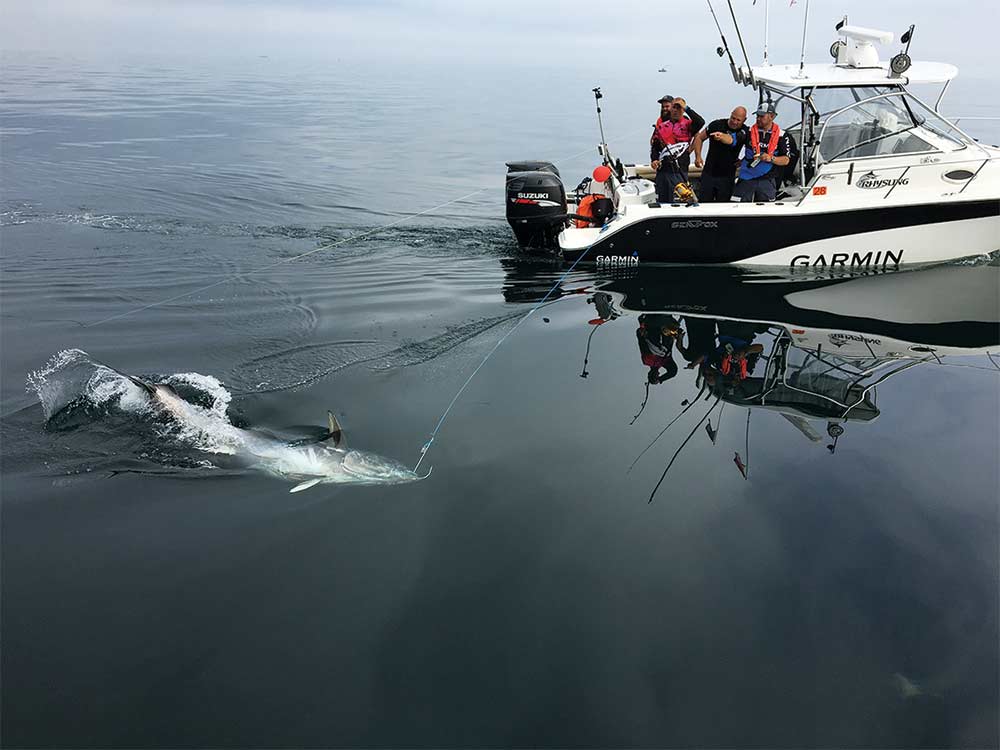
[(536, 203)]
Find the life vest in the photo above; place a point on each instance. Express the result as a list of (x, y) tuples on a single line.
[(748, 172), (772, 144), (588, 209), (726, 366), (671, 132)]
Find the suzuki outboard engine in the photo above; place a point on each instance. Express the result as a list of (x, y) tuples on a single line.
[(536, 203)]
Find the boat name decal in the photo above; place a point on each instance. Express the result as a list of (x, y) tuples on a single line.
[(617, 260), (694, 224), (872, 181), (879, 259), (840, 339)]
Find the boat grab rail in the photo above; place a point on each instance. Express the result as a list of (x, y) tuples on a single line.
[(969, 140)]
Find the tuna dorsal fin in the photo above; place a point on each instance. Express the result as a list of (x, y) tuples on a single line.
[(336, 433)]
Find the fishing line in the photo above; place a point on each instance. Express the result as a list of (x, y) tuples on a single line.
[(306, 254), (678, 451), (427, 445), (283, 261)]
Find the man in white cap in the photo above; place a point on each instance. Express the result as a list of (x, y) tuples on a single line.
[(766, 148)]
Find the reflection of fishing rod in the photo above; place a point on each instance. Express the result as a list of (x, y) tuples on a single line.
[(744, 467), (641, 408), (678, 451), (597, 323), (686, 407), (713, 434)]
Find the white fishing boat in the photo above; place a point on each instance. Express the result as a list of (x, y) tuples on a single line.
[(882, 179)]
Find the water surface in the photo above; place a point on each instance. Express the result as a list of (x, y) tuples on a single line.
[(158, 594)]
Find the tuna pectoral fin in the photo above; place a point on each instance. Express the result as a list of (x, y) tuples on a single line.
[(305, 485)]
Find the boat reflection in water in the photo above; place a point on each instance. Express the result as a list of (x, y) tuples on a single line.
[(815, 349)]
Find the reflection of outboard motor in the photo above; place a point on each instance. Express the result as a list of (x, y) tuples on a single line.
[(536, 203)]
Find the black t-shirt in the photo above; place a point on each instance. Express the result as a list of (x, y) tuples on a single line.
[(721, 159)]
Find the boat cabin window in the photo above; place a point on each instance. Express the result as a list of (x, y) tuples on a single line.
[(878, 127)]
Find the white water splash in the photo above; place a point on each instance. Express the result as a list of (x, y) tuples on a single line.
[(72, 376)]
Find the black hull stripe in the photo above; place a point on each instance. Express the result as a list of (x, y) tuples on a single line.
[(728, 239), (727, 294)]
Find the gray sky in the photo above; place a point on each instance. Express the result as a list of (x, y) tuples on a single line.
[(555, 32)]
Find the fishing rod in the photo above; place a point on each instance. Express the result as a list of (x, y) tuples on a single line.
[(767, 4), (678, 451), (724, 49), (600, 124), (739, 37), (802, 57)]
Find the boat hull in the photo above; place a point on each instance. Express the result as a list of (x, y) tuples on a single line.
[(780, 235)]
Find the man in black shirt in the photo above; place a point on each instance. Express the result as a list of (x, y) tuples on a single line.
[(726, 139)]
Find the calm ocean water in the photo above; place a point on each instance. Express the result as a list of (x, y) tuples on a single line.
[(158, 593)]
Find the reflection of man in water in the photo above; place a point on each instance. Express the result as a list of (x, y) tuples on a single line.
[(736, 355), (700, 339), (656, 335)]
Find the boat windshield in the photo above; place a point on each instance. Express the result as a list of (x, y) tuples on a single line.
[(858, 122)]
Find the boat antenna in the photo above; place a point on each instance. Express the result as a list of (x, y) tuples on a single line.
[(724, 49), (802, 57), (739, 37), (600, 124)]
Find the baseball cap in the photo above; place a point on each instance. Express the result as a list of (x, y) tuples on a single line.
[(766, 109), (665, 98)]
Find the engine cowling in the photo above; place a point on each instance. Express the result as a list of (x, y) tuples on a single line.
[(535, 203)]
